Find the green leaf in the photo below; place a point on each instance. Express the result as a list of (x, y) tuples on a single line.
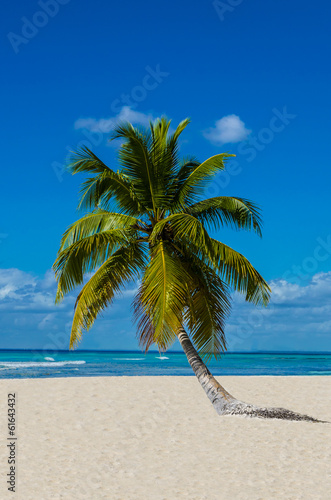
[(182, 225), (237, 213), (163, 294), (200, 176), (239, 273), (97, 222), (208, 307), (134, 156), (83, 257), (122, 267), (99, 190)]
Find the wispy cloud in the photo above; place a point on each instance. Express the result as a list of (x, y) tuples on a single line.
[(106, 125), (228, 129)]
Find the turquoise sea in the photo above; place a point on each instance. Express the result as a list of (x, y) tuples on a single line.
[(40, 364)]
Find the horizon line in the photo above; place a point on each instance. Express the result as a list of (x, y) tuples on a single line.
[(158, 352)]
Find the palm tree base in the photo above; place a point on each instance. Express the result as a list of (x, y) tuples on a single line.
[(236, 407), (223, 402)]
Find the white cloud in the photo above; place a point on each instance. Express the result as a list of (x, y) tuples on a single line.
[(282, 291), (297, 318), (230, 128), (48, 280), (15, 283), (292, 295), (106, 125)]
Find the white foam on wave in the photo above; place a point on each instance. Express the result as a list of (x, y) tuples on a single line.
[(129, 359), (34, 364), (49, 359), (161, 357)]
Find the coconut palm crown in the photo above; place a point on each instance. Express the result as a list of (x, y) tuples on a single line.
[(149, 221)]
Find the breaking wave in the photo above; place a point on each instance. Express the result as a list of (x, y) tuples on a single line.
[(35, 364)]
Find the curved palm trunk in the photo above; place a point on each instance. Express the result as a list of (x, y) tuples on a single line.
[(223, 402)]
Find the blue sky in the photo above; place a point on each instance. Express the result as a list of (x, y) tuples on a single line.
[(253, 76)]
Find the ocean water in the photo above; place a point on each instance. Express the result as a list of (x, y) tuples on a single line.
[(40, 364)]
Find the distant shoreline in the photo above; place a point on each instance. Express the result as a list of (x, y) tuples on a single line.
[(157, 352)]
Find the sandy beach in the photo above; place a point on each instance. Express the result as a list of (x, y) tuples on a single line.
[(158, 438)]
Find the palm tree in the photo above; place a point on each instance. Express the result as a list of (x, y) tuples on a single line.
[(148, 221)]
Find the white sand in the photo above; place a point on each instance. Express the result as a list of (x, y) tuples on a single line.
[(159, 438)]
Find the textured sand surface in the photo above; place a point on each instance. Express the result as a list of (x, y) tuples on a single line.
[(159, 438)]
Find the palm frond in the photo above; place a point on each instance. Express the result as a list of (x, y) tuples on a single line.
[(163, 294), (164, 157), (197, 180), (237, 213), (180, 128), (145, 328), (234, 268), (122, 267), (105, 185), (208, 308), (135, 158), (98, 222), (83, 257), (84, 160), (181, 226), (186, 167), (239, 273), (160, 129)]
